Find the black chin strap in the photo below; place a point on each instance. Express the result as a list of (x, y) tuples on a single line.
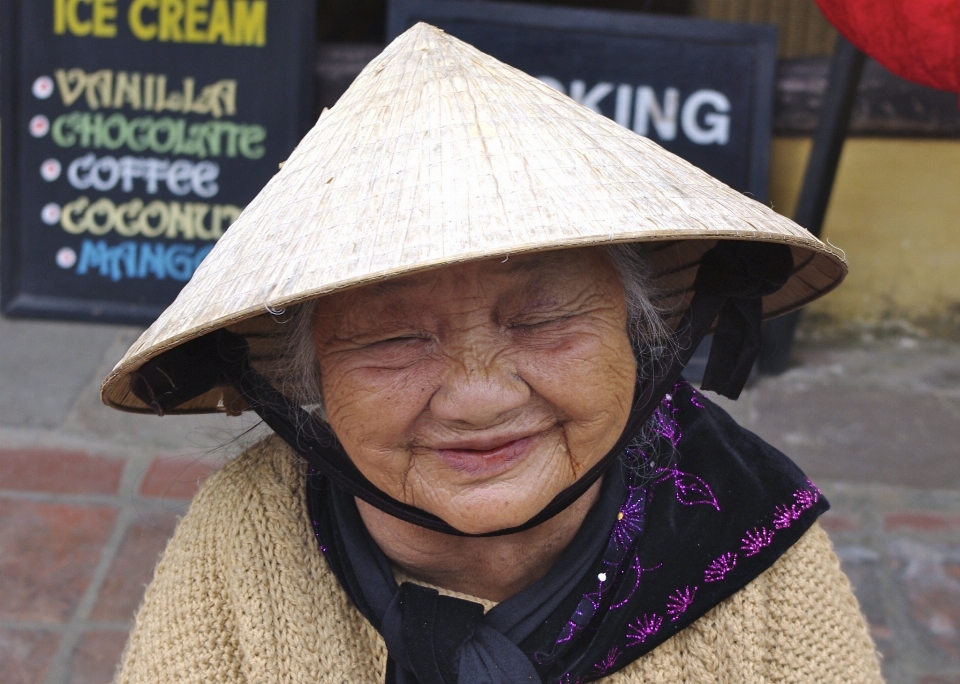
[(731, 281)]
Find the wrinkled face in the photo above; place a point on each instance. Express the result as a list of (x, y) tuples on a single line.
[(479, 391)]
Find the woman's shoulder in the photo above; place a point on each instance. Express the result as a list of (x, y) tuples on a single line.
[(242, 590), (268, 467)]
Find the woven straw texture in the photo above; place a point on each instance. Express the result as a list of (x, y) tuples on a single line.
[(242, 595), (439, 153)]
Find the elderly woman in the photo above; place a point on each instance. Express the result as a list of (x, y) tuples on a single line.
[(464, 305)]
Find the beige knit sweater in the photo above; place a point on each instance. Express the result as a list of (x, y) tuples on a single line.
[(243, 595)]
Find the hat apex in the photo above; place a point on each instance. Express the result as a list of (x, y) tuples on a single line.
[(439, 153)]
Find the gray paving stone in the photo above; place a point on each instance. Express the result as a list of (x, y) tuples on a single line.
[(885, 413), (50, 376), (44, 367)]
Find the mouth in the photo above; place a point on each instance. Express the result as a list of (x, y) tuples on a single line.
[(487, 458)]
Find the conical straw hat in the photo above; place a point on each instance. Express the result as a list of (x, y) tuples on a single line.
[(438, 154)]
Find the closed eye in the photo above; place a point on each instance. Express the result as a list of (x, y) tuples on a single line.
[(538, 322), (399, 339)]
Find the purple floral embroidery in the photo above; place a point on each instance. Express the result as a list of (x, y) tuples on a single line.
[(664, 423), (719, 568), (608, 663), (783, 516), (806, 498), (628, 527), (756, 540), (695, 401), (679, 602), (637, 568), (643, 627), (566, 634), (629, 523), (690, 489)]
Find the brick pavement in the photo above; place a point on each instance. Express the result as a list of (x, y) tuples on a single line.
[(78, 544), (88, 497), (900, 547)]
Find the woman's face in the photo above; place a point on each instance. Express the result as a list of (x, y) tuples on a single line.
[(479, 391)]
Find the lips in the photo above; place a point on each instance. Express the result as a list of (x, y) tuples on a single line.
[(486, 458)]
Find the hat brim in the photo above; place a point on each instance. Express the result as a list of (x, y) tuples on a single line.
[(439, 154)]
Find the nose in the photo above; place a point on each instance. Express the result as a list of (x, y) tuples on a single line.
[(479, 394)]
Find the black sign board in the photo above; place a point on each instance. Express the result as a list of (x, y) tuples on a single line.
[(702, 89), (134, 132)]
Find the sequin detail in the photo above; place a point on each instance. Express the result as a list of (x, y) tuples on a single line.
[(629, 523), (679, 602), (783, 516), (638, 571), (805, 498), (664, 423), (755, 540), (690, 490), (719, 568), (608, 663), (626, 531), (316, 533), (643, 627)]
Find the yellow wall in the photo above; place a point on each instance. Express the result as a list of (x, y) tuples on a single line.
[(895, 211)]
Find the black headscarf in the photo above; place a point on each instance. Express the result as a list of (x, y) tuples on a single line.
[(663, 545)]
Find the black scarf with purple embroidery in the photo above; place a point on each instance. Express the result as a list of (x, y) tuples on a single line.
[(662, 547)]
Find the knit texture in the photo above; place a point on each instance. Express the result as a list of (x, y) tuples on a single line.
[(242, 594)]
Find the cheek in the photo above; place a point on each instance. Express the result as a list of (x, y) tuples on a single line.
[(372, 414), (590, 380)]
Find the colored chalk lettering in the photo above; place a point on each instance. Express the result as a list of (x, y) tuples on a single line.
[(96, 18), (139, 260), (180, 177), (165, 135), (157, 219), (106, 89), (240, 22)]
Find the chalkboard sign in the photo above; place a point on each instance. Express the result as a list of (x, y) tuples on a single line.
[(134, 132), (702, 89)]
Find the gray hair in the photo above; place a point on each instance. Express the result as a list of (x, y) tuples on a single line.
[(297, 374)]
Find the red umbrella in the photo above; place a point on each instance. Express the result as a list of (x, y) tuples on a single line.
[(918, 40)]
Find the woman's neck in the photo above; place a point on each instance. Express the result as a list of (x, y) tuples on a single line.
[(493, 568)]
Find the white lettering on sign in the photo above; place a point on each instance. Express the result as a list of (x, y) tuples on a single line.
[(717, 129), (704, 117), (181, 176), (648, 110)]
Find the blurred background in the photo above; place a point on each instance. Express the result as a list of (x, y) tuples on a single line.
[(868, 400)]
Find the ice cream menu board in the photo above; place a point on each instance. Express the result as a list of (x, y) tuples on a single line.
[(134, 132)]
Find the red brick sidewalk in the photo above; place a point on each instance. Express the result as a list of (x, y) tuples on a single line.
[(79, 537)]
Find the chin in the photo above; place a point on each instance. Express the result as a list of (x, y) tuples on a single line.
[(480, 513)]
